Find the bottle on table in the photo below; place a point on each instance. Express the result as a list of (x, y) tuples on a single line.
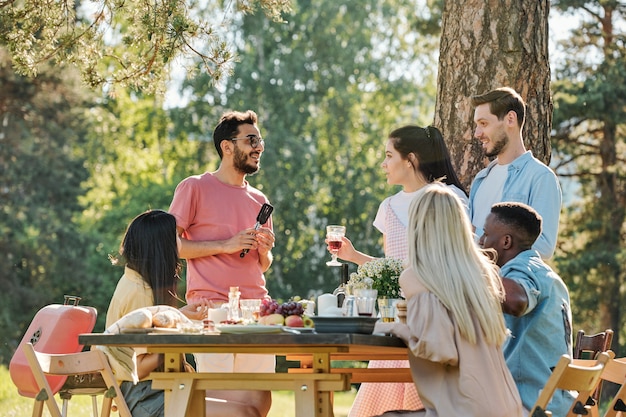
[(233, 304)]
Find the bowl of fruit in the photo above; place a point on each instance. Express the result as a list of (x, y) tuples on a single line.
[(289, 314)]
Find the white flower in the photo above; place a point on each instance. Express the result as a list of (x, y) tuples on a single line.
[(380, 274)]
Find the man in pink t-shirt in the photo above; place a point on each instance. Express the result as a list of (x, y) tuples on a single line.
[(215, 216)]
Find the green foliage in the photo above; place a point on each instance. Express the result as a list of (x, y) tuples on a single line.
[(41, 250), (113, 43), (328, 84), (78, 170), (133, 167), (589, 140)]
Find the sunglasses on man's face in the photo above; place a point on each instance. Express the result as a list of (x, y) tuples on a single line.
[(254, 140)]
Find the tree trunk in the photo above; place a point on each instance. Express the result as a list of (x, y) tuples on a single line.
[(610, 235), (485, 45)]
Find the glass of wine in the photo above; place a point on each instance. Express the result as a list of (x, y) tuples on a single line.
[(334, 235)]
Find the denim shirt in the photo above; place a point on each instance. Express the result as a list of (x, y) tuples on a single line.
[(542, 334), (531, 182)]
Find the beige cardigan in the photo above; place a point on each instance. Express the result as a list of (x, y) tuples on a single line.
[(454, 377)]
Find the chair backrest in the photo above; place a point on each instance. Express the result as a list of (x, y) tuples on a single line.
[(54, 329), (588, 347), (43, 364), (568, 376), (615, 372)]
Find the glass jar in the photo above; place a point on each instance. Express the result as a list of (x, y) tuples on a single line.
[(233, 304)]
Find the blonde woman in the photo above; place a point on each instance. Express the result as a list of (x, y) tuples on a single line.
[(455, 327)]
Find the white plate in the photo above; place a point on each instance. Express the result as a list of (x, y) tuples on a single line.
[(250, 328), (300, 329)]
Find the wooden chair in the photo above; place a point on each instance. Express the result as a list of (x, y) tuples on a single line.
[(81, 363), (84, 384), (614, 372), (568, 376), (588, 347)]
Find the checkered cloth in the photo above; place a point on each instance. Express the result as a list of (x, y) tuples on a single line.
[(374, 399), (395, 236)]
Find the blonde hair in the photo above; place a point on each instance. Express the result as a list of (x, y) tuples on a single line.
[(447, 261)]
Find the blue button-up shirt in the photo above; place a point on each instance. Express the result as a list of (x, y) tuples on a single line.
[(531, 182), (542, 334)]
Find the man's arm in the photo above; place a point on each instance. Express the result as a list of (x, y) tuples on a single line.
[(264, 243), (266, 261), (191, 249), (516, 300)]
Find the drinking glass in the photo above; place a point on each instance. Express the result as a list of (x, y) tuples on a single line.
[(250, 309), (366, 301), (334, 234), (387, 309)]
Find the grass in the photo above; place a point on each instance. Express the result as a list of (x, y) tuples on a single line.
[(14, 405)]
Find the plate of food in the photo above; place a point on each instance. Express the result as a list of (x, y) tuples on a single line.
[(248, 328), (335, 324)]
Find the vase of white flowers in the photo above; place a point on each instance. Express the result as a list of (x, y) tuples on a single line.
[(380, 274)]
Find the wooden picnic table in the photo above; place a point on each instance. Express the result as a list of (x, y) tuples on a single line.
[(312, 384)]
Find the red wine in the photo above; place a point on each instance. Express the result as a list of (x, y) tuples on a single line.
[(335, 244)]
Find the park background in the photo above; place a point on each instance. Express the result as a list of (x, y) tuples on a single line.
[(87, 143)]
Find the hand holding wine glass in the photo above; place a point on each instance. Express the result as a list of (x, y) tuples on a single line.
[(334, 235)]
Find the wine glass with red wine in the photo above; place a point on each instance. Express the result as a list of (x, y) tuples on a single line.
[(334, 235)]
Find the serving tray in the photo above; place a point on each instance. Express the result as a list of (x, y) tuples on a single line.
[(363, 325)]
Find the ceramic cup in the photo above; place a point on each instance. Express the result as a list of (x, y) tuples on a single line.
[(327, 305), (218, 315)]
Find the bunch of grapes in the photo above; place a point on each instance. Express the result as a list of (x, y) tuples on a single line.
[(290, 308), (286, 309), (268, 307)]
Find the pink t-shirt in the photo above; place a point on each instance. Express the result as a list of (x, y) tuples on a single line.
[(210, 210)]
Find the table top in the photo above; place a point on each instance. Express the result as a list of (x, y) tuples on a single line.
[(277, 340)]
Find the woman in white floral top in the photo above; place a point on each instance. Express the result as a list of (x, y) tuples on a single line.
[(414, 157)]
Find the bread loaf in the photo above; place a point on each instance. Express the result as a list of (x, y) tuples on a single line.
[(168, 318), (138, 319)]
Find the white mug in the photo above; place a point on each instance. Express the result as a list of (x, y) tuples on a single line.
[(327, 305), (218, 315)]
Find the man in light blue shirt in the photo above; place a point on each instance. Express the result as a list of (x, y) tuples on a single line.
[(537, 306), (514, 175)]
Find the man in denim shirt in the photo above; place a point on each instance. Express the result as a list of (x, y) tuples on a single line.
[(514, 175), (537, 305)]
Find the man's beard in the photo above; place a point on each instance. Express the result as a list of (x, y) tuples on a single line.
[(499, 144), (241, 163)]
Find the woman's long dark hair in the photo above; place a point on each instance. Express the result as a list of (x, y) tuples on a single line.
[(149, 247), (428, 146)]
